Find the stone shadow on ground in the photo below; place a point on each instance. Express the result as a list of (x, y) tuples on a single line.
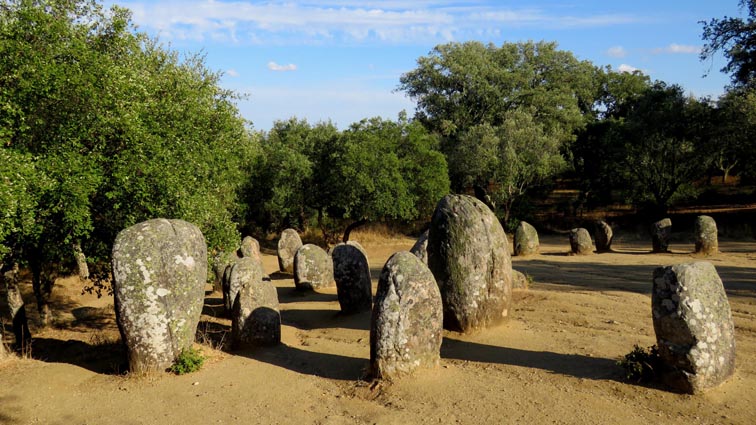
[(624, 277), (214, 307), (105, 357), (575, 365), (294, 295), (324, 365), (325, 319)]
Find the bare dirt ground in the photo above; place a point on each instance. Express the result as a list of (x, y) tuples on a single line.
[(554, 361)]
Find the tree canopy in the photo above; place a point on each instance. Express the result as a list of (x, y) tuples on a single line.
[(113, 129), (736, 38)]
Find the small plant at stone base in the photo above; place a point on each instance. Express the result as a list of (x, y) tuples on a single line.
[(641, 365), (190, 360)]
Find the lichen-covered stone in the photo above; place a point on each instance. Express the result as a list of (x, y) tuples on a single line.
[(288, 245), (159, 275), (220, 262), (519, 280), (602, 234), (660, 233), (707, 242), (313, 268), (420, 248), (525, 240), (693, 325), (406, 327), (580, 242), (255, 317), (351, 272), (468, 253), (243, 270), (250, 247)]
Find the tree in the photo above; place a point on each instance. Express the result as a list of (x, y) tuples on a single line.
[(118, 130), (736, 38), (515, 156), (476, 96), (734, 140), (661, 140)]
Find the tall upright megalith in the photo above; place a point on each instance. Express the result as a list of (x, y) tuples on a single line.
[(693, 324), (468, 254), (525, 240), (661, 231), (406, 327), (159, 275), (707, 241), (288, 245)]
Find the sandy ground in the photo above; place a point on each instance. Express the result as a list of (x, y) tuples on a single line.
[(554, 361)]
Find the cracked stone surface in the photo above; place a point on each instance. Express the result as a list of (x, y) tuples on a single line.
[(159, 275)]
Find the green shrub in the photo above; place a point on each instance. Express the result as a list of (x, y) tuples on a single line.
[(190, 360), (641, 365)]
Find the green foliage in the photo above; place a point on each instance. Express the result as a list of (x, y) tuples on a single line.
[(733, 147), (115, 130), (190, 360), (641, 365), (507, 114), (736, 38), (375, 170)]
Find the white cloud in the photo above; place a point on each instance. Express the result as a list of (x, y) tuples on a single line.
[(617, 52), (308, 21), (232, 73), (281, 68), (627, 68), (678, 48)]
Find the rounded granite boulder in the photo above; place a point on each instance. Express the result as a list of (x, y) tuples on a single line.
[(468, 253), (313, 268), (351, 272), (288, 244), (525, 240)]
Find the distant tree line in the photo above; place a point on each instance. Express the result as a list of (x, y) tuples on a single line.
[(102, 127)]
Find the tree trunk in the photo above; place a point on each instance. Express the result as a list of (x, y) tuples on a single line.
[(42, 282), (81, 262), (354, 225), (17, 309)]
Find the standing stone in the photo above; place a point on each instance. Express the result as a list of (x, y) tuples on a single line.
[(228, 302), (406, 327), (243, 270), (313, 268), (580, 242), (525, 240), (468, 253), (288, 245), (602, 233), (420, 248), (519, 280), (255, 319), (19, 322), (81, 262), (220, 262), (159, 275), (693, 325), (660, 233), (250, 247), (351, 272), (706, 235)]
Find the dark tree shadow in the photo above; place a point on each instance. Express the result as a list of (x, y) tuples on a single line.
[(5, 415), (331, 366), (325, 319), (106, 357), (564, 364)]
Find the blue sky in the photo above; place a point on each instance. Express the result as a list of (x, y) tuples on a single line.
[(341, 60)]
